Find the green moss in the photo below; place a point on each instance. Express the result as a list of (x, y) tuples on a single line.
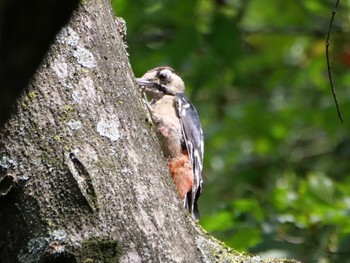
[(84, 2), (100, 250), (66, 113), (57, 138), (104, 163), (216, 251), (28, 100), (31, 95)]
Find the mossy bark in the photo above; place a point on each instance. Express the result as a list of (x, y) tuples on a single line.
[(82, 177)]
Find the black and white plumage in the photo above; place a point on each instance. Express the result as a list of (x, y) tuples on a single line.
[(194, 140), (179, 131)]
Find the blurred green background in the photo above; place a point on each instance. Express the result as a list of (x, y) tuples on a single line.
[(276, 155)]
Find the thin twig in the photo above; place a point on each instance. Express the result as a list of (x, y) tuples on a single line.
[(329, 64)]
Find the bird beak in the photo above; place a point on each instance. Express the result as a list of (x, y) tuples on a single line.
[(145, 82), (152, 86)]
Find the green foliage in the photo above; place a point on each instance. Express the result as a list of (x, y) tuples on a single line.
[(277, 157)]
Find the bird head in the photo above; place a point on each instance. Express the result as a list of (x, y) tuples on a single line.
[(161, 80)]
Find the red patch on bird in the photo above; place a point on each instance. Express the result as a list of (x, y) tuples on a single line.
[(181, 171)]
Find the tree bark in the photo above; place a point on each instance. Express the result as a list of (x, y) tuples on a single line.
[(82, 177), (27, 29)]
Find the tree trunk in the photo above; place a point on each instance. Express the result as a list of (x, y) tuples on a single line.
[(27, 29), (82, 177)]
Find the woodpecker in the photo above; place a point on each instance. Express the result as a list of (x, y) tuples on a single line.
[(179, 131)]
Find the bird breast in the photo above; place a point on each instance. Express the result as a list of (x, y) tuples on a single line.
[(168, 125)]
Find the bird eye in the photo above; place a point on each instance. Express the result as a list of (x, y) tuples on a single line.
[(162, 77)]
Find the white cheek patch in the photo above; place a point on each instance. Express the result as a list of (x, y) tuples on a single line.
[(167, 73)]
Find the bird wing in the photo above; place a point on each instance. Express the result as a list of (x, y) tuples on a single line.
[(194, 141)]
